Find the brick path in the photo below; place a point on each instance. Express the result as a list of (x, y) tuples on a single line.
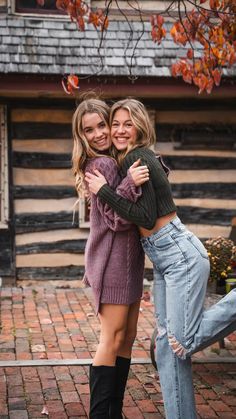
[(49, 325)]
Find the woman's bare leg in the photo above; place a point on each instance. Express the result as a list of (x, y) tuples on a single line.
[(123, 362), (125, 349), (114, 320)]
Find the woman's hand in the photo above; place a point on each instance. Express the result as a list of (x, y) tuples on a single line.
[(139, 174), (95, 181)]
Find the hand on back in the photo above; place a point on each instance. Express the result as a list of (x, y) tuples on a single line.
[(139, 174)]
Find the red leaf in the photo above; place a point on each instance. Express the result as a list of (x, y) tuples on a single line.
[(216, 76), (160, 20), (209, 86), (69, 83), (190, 54), (187, 76), (232, 58), (80, 23), (73, 81)]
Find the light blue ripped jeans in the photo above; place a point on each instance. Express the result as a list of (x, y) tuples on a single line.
[(181, 271)]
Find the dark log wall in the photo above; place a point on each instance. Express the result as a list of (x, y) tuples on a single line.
[(6, 253), (7, 268), (48, 245), (200, 149)]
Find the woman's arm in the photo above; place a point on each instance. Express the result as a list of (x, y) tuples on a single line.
[(143, 212), (126, 188)]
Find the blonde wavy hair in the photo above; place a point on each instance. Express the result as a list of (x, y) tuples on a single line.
[(81, 149), (139, 116)]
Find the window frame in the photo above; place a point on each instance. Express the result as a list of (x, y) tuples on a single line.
[(84, 213), (39, 13), (4, 168)]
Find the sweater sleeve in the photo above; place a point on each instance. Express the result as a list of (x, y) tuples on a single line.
[(143, 212), (126, 188)]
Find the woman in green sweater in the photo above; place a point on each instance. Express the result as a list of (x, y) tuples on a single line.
[(181, 265)]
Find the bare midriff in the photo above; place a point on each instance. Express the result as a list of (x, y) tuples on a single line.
[(160, 222)]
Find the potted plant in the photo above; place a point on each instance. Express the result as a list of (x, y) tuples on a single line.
[(221, 252)]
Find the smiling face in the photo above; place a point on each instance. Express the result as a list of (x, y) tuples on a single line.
[(123, 131), (96, 131)]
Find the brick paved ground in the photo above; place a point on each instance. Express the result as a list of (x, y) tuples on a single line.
[(47, 323)]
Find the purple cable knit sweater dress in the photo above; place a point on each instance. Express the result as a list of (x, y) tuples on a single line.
[(114, 258)]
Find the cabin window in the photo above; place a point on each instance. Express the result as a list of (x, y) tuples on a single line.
[(4, 204), (37, 7)]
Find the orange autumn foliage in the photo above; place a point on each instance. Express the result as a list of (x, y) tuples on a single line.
[(208, 31), (70, 83), (211, 32)]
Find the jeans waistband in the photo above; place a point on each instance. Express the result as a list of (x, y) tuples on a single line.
[(173, 224)]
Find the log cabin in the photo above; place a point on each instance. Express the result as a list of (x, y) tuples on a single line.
[(196, 134)]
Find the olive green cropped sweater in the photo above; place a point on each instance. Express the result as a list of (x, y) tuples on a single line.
[(156, 199)]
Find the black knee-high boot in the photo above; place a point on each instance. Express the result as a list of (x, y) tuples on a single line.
[(122, 372), (101, 382)]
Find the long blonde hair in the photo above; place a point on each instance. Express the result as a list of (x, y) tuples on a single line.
[(141, 120), (81, 149)]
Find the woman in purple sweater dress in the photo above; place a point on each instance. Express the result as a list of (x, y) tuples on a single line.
[(114, 259)]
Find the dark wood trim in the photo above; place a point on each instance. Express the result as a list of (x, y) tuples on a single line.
[(148, 274), (43, 192), (60, 273), (197, 135), (147, 88), (196, 103), (42, 160), (180, 190), (53, 273), (40, 130), (200, 162), (37, 10), (7, 241), (211, 216), (63, 220), (204, 190), (62, 246), (26, 223), (63, 160), (6, 252)]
